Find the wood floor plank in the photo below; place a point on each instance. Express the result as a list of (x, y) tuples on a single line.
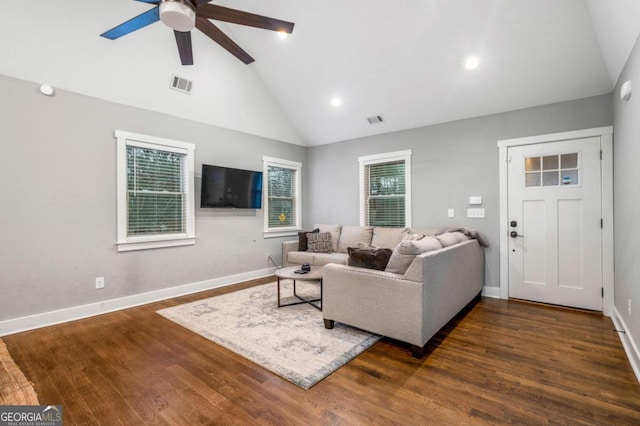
[(499, 362)]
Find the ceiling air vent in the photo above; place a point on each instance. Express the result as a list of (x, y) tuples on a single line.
[(181, 84), (375, 119)]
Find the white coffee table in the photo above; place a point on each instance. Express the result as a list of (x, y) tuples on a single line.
[(289, 274)]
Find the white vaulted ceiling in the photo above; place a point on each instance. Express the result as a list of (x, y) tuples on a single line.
[(401, 60)]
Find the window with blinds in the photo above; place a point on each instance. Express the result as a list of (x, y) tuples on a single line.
[(156, 198), (385, 189), (155, 202), (282, 198)]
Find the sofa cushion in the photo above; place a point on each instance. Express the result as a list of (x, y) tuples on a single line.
[(388, 237), (319, 242), (317, 259), (351, 236), (334, 230), (370, 258), (415, 237), (451, 238), (302, 239), (407, 250)]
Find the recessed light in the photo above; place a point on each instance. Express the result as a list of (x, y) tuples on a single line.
[(471, 63), (283, 35), (336, 102)]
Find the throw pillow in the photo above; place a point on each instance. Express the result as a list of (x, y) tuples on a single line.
[(352, 235), (302, 239), (334, 230), (319, 242), (370, 258), (415, 237), (406, 251)]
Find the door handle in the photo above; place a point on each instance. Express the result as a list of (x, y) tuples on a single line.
[(514, 234)]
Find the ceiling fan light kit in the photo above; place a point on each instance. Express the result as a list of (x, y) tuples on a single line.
[(184, 15), (179, 15)]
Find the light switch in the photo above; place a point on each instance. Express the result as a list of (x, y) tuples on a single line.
[(475, 200), (450, 213), (475, 213)]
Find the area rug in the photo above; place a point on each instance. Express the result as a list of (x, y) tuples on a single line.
[(290, 341), (15, 389)]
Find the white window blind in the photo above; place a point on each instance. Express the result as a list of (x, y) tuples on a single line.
[(156, 195), (282, 200), (385, 190), (282, 197)]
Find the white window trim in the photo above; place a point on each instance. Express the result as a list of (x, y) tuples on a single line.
[(127, 243), (278, 162), (386, 158)]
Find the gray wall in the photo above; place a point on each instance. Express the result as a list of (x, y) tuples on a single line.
[(450, 162), (58, 203), (626, 147)]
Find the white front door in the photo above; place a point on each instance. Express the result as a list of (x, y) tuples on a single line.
[(554, 211)]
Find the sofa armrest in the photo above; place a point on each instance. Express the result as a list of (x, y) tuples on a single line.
[(287, 247), (453, 276)]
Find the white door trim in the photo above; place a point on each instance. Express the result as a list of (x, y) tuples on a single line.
[(606, 139)]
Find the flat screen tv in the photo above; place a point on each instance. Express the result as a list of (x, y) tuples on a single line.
[(230, 188)]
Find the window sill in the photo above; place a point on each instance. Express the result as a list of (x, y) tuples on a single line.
[(278, 234), (144, 245)]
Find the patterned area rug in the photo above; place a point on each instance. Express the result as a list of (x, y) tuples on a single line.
[(15, 389), (290, 341)]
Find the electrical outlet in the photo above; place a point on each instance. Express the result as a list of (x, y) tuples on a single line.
[(629, 308), (450, 213), (99, 282)]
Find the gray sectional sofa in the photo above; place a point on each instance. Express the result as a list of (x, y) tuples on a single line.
[(435, 278)]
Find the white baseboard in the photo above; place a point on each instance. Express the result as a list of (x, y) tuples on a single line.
[(491, 292), (45, 319), (630, 346)]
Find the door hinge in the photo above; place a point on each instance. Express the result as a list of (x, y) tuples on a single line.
[(601, 154), (601, 223), (602, 292)]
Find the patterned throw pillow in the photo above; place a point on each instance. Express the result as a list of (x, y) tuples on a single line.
[(302, 239), (319, 242)]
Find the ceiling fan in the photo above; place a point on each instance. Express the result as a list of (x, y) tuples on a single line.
[(183, 15)]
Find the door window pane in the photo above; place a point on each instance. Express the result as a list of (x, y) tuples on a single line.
[(550, 162), (569, 177), (532, 180), (532, 164), (569, 161), (550, 178)]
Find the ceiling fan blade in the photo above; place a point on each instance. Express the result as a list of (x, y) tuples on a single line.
[(183, 40), (133, 24), (215, 34), (219, 13), (149, 1)]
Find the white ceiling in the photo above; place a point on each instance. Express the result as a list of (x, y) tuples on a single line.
[(401, 60)]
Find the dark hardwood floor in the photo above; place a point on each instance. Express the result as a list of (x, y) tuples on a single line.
[(502, 362)]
